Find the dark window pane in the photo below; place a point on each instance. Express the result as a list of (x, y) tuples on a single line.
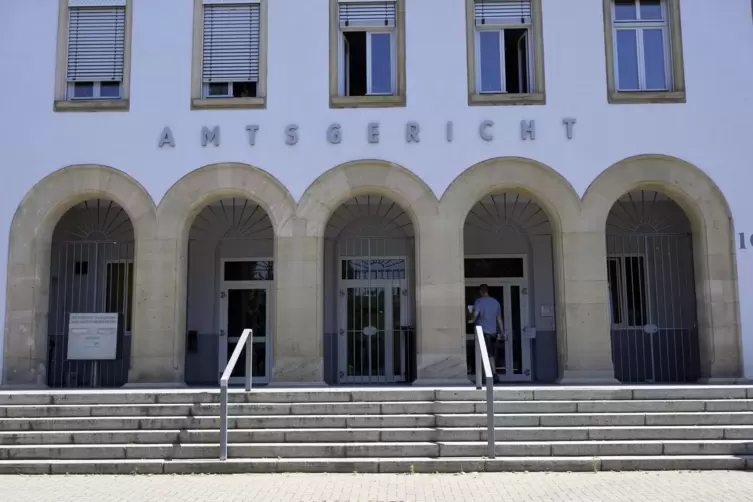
[(109, 89), (381, 63), (83, 90), (613, 269), (482, 268), (249, 271), (516, 60), (651, 10), (627, 60), (635, 287), (490, 61), (653, 48), (244, 89), (354, 63), (218, 89), (624, 10)]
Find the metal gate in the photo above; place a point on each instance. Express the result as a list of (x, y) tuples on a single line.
[(89, 277), (653, 308), (375, 311)]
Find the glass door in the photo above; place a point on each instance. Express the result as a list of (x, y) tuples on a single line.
[(371, 341), (513, 355), (245, 307)]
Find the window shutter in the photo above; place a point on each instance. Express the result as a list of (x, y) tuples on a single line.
[(96, 43), (367, 14), (502, 12), (231, 42)]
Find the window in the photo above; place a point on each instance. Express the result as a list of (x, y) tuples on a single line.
[(505, 52), (483, 268), (93, 55), (119, 290), (627, 290), (249, 271), (644, 53), (229, 54), (369, 53)]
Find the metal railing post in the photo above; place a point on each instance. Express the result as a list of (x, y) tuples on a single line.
[(244, 343), (479, 365), (223, 421), (483, 354), (249, 362), (491, 442)]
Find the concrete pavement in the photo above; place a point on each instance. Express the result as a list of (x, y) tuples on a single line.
[(485, 487)]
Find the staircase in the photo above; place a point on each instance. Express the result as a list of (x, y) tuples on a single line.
[(377, 430)]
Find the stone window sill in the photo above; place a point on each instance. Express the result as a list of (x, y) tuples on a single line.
[(120, 105), (367, 101), (535, 98), (228, 103), (646, 97)]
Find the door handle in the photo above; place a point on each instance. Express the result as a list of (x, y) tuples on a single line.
[(222, 332)]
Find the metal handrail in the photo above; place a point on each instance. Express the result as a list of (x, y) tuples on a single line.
[(245, 341), (482, 361)]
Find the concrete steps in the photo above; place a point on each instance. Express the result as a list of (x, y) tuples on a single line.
[(377, 430)]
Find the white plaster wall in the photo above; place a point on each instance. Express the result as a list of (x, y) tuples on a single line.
[(712, 131)]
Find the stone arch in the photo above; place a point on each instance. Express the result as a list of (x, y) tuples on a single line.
[(713, 246), (364, 177), (190, 194), (31, 232), (361, 179), (175, 215), (543, 185)]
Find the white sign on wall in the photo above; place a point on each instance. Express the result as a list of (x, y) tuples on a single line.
[(93, 337)]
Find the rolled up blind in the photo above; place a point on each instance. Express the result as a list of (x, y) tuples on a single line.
[(96, 43), (502, 12), (367, 14), (231, 42)]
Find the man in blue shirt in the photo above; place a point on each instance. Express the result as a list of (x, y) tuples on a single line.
[(487, 313)]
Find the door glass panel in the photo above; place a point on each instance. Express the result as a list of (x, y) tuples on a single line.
[(516, 335), (366, 319), (397, 333), (247, 308)]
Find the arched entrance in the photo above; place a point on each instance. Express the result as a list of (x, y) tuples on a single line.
[(230, 287), (653, 310), (713, 283), (369, 293), (507, 241), (91, 297)]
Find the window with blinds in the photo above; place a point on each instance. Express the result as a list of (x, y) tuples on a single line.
[(368, 48), (96, 49), (502, 13), (504, 52), (231, 49)]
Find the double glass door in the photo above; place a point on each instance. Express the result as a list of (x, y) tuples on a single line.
[(372, 319), (512, 355), (244, 306)]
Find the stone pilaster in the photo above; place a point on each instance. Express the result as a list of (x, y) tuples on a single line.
[(440, 301), (157, 347), (586, 347), (297, 333)]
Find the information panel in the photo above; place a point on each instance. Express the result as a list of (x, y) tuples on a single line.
[(93, 337)]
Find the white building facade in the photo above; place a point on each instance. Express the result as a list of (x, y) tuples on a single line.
[(342, 175)]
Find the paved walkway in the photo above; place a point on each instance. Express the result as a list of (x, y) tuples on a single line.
[(580, 487)]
